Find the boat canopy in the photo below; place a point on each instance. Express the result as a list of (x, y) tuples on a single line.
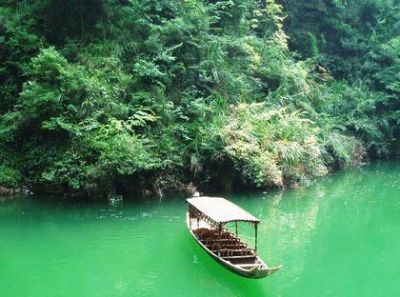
[(220, 210)]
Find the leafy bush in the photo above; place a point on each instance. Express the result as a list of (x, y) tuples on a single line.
[(271, 147), (104, 96)]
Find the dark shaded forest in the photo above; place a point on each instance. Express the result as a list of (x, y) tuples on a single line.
[(100, 97)]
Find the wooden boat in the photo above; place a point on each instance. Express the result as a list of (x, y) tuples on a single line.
[(206, 220)]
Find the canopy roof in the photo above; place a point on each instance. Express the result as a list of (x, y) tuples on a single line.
[(221, 210)]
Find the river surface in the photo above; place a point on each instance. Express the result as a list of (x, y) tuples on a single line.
[(338, 237)]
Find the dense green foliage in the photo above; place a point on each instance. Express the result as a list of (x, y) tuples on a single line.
[(358, 42), (106, 96)]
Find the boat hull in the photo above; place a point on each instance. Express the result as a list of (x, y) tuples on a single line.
[(255, 273)]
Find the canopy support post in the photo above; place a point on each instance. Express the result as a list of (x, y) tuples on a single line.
[(236, 229), (219, 239), (255, 237)]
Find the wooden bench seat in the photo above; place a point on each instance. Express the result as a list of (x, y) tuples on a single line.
[(233, 252), (239, 257), (227, 246)]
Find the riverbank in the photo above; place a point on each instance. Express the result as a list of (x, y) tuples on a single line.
[(216, 187)]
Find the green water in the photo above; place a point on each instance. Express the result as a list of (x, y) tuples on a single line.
[(339, 237)]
